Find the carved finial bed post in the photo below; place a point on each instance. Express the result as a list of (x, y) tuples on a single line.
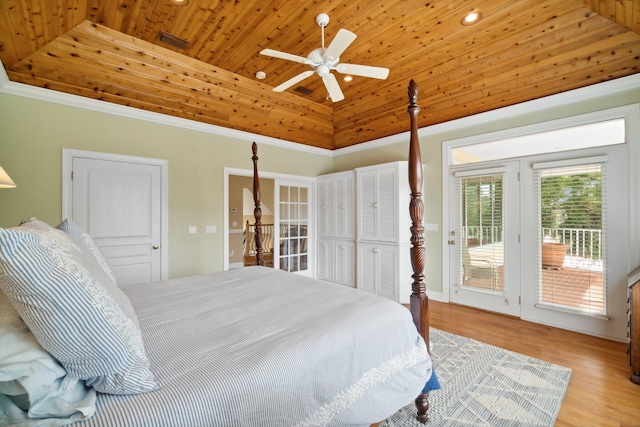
[(257, 211), (419, 302)]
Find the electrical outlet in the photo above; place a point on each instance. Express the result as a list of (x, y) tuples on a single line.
[(193, 229), (210, 229)]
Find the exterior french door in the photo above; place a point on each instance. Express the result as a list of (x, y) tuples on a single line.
[(484, 238), (578, 241)]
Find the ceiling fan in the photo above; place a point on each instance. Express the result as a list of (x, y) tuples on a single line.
[(323, 60)]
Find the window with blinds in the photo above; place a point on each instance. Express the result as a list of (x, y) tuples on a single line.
[(571, 221), (482, 224)]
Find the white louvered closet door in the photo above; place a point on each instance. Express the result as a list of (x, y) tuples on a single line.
[(349, 211), (339, 205), (378, 269), (383, 224), (323, 214), (325, 260), (345, 252), (387, 205), (368, 278), (367, 224), (345, 212), (326, 207), (388, 271), (379, 200)]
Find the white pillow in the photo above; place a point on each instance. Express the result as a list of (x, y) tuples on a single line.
[(79, 235), (74, 309), (33, 385)]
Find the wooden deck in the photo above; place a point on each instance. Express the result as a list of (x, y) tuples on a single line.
[(574, 288), (570, 287)]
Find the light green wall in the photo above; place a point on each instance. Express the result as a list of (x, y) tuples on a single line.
[(431, 150), (33, 133)]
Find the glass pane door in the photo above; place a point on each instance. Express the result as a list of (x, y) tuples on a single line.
[(293, 225), (483, 240), (572, 234)]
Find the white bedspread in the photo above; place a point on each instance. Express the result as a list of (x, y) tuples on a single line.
[(261, 347)]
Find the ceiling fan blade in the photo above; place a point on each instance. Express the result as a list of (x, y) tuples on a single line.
[(363, 70), (286, 85), (331, 83), (340, 42), (283, 55)]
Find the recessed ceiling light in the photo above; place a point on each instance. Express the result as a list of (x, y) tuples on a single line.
[(180, 2), (472, 17), (348, 78), (260, 75)]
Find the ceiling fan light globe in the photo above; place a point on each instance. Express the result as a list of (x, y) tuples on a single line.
[(323, 70)]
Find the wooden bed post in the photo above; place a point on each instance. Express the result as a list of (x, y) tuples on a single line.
[(257, 211), (419, 302)]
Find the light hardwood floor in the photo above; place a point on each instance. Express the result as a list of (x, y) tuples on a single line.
[(599, 393)]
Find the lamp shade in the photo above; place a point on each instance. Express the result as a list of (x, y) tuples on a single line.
[(5, 180)]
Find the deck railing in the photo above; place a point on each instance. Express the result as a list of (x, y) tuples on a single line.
[(582, 242)]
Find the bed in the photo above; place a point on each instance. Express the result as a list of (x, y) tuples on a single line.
[(248, 347)]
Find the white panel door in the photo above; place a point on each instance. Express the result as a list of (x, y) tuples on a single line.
[(119, 204)]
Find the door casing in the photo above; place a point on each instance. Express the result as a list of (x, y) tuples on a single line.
[(68, 156)]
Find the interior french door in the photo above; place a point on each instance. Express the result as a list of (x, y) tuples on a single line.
[(293, 226), (484, 237)]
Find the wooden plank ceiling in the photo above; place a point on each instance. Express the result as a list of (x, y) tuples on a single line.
[(520, 50)]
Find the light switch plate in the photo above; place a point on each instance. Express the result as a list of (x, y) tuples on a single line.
[(193, 229), (431, 227), (211, 229)]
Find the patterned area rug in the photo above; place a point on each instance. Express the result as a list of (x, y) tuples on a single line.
[(483, 385)]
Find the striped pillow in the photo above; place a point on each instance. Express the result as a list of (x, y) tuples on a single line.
[(73, 308), (80, 236)]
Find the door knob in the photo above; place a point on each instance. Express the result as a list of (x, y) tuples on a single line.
[(452, 242), (155, 246)]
